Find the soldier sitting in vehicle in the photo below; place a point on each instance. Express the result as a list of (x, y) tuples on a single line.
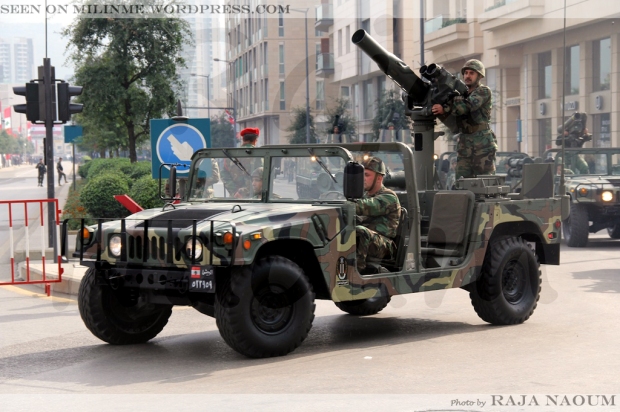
[(257, 187), (378, 213)]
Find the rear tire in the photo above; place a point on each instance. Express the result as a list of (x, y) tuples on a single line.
[(614, 231), (508, 289), (577, 227), (364, 307), (266, 309), (117, 317)]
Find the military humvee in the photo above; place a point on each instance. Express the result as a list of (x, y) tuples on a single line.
[(258, 263), (593, 184)]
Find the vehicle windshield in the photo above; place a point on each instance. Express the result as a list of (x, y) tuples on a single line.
[(586, 162), (289, 178)]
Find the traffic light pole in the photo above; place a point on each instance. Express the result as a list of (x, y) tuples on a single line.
[(46, 72)]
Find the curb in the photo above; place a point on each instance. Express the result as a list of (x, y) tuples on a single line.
[(71, 277)]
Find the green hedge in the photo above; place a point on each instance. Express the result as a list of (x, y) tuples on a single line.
[(97, 196), (145, 192), (133, 171), (102, 165)]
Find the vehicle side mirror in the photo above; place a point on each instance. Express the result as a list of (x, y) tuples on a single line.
[(173, 181), (353, 180)]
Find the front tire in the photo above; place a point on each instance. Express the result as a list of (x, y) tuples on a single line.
[(576, 227), (118, 317), (266, 309), (364, 307), (508, 289)]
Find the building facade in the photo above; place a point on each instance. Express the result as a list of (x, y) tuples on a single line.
[(525, 51), (266, 70), (16, 60)]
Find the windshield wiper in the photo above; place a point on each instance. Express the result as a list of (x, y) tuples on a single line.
[(320, 162), (236, 162)]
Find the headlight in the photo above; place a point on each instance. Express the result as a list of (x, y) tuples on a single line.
[(583, 191), (114, 245), (607, 196), (189, 248)]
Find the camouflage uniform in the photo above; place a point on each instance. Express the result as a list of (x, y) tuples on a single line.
[(477, 144), (234, 178), (379, 215)]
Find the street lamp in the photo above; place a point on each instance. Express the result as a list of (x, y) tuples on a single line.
[(234, 101), (208, 91), (305, 12)]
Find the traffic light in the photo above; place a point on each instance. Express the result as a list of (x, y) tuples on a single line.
[(65, 107), (31, 108)]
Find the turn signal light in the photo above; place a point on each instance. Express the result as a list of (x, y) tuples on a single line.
[(228, 238), (247, 244), (85, 235)]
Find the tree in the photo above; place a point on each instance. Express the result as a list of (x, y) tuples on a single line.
[(222, 133), (346, 121), (298, 127), (128, 68), (391, 109)]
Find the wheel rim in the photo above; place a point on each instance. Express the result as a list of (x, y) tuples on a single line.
[(270, 309), (514, 281)]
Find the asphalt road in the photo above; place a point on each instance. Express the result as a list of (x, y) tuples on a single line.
[(423, 352)]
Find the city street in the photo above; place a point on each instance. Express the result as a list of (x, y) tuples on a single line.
[(431, 343)]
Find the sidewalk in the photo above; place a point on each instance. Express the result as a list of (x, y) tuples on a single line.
[(72, 271)]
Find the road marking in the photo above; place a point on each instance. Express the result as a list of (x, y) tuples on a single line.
[(20, 291)]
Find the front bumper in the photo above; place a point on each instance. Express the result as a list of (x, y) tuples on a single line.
[(199, 279)]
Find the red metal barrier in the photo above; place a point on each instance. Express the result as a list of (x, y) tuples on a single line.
[(44, 278)]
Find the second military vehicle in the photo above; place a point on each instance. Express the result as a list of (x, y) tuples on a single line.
[(593, 183)]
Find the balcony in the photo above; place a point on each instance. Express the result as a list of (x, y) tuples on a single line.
[(441, 22), (324, 17), (507, 12), (325, 64), (452, 34)]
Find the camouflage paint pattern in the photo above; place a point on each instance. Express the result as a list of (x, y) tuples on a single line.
[(329, 230)]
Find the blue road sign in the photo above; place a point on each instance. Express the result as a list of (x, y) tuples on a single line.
[(72, 133), (176, 142)]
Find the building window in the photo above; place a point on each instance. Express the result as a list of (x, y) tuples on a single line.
[(320, 95), (317, 51), (339, 42), (544, 132), (601, 58), (281, 25), (281, 58), (369, 99), (380, 86), (282, 96), (572, 67), (347, 39), (544, 75), (266, 94)]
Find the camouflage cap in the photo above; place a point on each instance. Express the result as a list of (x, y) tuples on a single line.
[(258, 173), (375, 164), (475, 65)]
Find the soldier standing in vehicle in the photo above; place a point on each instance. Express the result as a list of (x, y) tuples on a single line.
[(232, 176), (378, 213), (477, 144)]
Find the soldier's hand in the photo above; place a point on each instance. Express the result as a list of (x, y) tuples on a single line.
[(437, 109)]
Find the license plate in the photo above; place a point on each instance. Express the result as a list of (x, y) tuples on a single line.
[(202, 279)]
